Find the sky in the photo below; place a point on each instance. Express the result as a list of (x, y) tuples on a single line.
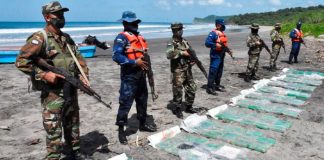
[(147, 10)]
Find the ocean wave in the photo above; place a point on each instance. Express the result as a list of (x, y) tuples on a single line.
[(72, 29)]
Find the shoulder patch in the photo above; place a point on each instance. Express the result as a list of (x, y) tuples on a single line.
[(34, 41)]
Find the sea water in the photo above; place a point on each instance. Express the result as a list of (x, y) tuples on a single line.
[(16, 33)]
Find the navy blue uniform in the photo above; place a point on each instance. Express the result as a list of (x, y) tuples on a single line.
[(133, 83), (295, 47), (216, 61)]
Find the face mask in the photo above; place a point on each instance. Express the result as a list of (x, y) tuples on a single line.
[(58, 23), (132, 27), (223, 28), (177, 33), (254, 31)]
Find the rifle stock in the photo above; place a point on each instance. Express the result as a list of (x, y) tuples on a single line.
[(75, 82)]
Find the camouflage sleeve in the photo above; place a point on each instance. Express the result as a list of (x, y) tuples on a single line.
[(275, 36), (28, 52), (250, 42), (172, 51)]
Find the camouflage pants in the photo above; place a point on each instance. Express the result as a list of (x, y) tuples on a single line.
[(274, 54), (253, 64), (55, 119), (183, 80)]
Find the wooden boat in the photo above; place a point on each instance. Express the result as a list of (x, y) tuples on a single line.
[(9, 54)]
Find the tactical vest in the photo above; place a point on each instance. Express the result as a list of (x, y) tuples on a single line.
[(298, 34), (222, 38), (54, 53), (137, 46)]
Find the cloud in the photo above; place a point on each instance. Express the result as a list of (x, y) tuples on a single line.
[(164, 4), (275, 2), (210, 2), (167, 4), (184, 2)]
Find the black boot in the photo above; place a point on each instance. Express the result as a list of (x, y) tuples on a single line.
[(219, 88), (147, 127), (247, 78), (190, 109), (78, 156), (211, 91), (255, 77), (177, 111), (122, 135)]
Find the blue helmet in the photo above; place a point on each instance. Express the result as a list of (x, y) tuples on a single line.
[(129, 16), (220, 21)]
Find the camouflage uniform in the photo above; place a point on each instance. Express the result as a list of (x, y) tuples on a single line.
[(55, 116), (254, 54), (181, 72), (276, 39)]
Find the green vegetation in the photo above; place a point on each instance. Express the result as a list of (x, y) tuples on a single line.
[(312, 18)]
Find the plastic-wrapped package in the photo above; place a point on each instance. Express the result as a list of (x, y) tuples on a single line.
[(259, 120), (311, 82), (265, 105), (313, 74), (285, 92), (276, 98), (292, 86), (229, 133), (189, 146)]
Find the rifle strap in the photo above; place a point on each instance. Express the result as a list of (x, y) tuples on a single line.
[(45, 39), (78, 64)]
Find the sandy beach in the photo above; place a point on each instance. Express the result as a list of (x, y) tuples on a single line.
[(24, 138)]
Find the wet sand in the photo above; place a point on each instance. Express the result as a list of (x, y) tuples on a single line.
[(21, 111)]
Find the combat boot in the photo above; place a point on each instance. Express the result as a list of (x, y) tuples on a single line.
[(211, 91), (220, 88), (272, 68), (122, 135), (255, 77), (178, 112), (247, 78), (190, 109), (147, 127), (78, 156)]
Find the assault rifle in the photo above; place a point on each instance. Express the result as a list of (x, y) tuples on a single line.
[(194, 58), (149, 72), (283, 45), (303, 42), (265, 46), (150, 76), (226, 49), (75, 82)]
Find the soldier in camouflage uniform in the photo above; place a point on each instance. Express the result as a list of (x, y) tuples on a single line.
[(59, 115), (277, 42), (255, 48), (177, 52)]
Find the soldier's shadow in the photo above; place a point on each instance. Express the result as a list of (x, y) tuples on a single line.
[(133, 124), (94, 142)]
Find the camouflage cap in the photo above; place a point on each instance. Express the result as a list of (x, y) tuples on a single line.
[(254, 26), (277, 25), (176, 26), (53, 7)]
